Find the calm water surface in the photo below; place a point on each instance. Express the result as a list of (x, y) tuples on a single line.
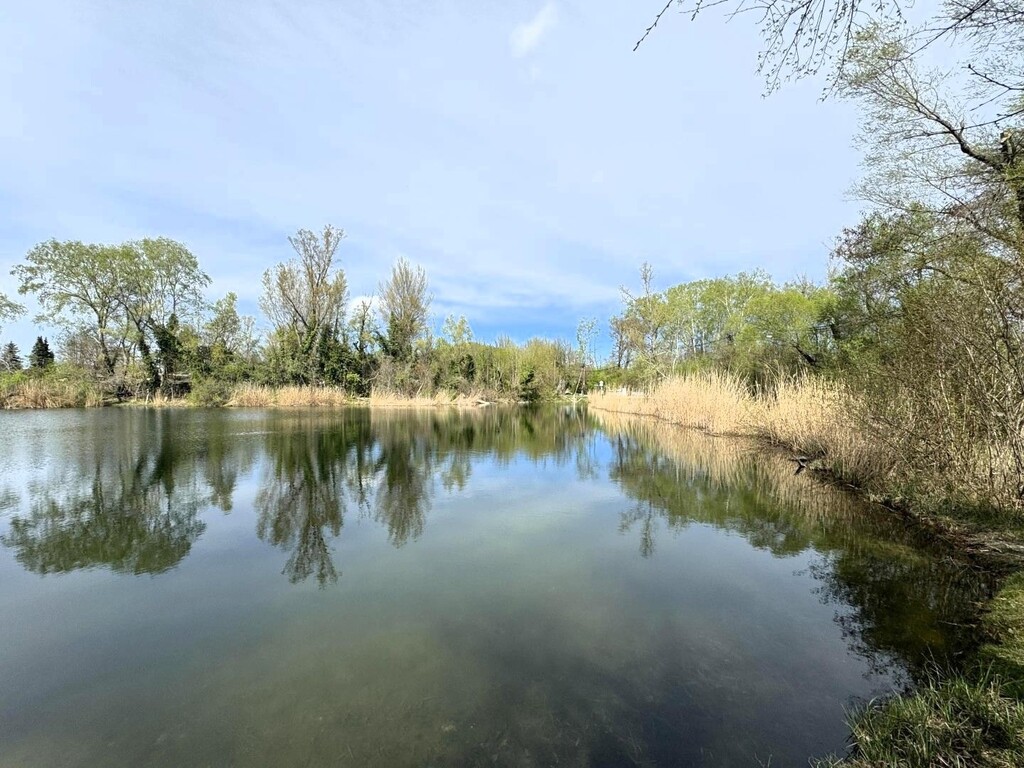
[(358, 588)]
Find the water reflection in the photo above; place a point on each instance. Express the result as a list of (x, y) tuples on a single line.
[(384, 464), (495, 586), (128, 500), (127, 494), (898, 605)]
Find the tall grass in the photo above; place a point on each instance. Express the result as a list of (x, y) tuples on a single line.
[(261, 396), (52, 391), (388, 399), (823, 420), (813, 417), (711, 402), (953, 722)]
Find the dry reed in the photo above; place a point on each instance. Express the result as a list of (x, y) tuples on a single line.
[(712, 402), (260, 396), (389, 399), (808, 416), (49, 393)]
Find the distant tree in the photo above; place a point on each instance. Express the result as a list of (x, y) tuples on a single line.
[(79, 286), (41, 355), (79, 347), (404, 305), (456, 330), (117, 294), (10, 358), (586, 335), (305, 299)]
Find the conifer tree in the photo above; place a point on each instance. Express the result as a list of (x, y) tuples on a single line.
[(10, 358), (41, 355)]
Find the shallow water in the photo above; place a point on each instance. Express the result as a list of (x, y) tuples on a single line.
[(193, 588)]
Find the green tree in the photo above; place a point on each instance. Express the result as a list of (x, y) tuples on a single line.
[(117, 295), (404, 306), (8, 309), (644, 324), (41, 356), (10, 358), (456, 330), (305, 300), (80, 288)]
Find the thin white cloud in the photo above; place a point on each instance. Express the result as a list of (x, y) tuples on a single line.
[(527, 36)]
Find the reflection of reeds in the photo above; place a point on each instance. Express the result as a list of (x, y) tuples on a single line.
[(734, 462), (809, 416)]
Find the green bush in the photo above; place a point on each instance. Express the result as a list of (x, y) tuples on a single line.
[(210, 393)]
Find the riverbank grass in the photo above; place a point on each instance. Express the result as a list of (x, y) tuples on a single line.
[(1004, 624), (953, 722), (260, 396), (806, 416), (59, 386)]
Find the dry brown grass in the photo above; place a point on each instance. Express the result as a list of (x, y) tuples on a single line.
[(808, 416), (260, 396), (389, 399), (822, 419), (49, 393), (711, 402)]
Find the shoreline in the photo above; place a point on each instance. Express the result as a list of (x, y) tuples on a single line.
[(992, 680)]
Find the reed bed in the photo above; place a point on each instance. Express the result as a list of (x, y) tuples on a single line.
[(822, 419), (812, 417), (261, 396), (711, 402), (391, 399), (49, 393)]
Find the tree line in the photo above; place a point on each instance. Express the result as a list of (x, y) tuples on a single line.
[(134, 318)]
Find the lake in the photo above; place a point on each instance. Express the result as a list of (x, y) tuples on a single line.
[(442, 588)]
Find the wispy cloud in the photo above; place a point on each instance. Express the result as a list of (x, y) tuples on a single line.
[(527, 36), (529, 193)]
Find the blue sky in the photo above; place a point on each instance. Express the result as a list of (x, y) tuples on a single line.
[(521, 152)]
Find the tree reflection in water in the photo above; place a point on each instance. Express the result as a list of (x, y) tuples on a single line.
[(128, 494), (127, 499), (896, 601), (384, 464)]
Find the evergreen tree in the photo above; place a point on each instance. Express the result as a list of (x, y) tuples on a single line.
[(41, 356), (10, 358)]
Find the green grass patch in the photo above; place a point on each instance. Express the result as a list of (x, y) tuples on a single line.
[(958, 721), (1004, 623)]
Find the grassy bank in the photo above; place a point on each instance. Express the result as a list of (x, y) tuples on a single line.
[(975, 718), (259, 396), (836, 430), (63, 389), (57, 387)]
